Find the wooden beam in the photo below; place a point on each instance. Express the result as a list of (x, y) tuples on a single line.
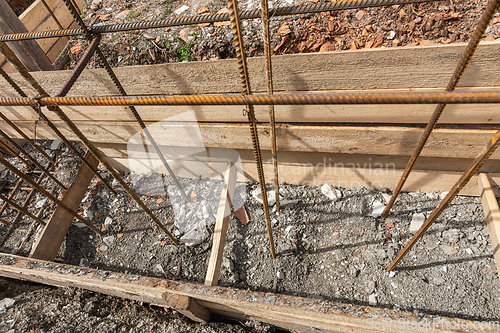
[(287, 312), (28, 51), (221, 225), (492, 214), (48, 243), (188, 306), (337, 138)]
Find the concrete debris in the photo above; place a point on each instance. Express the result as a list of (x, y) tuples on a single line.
[(416, 222), (372, 299), (181, 9), (40, 203), (103, 248), (56, 144), (195, 236), (392, 274), (377, 209), (443, 195), (438, 281), (386, 197), (6, 303), (80, 225), (108, 240), (331, 193), (108, 221), (280, 275), (271, 196), (449, 250)]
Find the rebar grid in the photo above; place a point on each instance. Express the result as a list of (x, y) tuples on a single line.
[(249, 14)]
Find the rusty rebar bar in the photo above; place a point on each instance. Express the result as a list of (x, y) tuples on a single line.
[(269, 80), (450, 97), (249, 14), (46, 193), (12, 194), (19, 157), (464, 179), (36, 107), (27, 76), (33, 160), (21, 209), (119, 87), (26, 137), (245, 83), (483, 23)]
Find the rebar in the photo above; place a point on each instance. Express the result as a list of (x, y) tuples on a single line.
[(33, 160), (12, 194), (464, 179), (270, 91), (118, 85), (451, 97), (21, 209), (483, 23), (19, 157), (188, 20), (245, 83), (36, 107), (46, 193)]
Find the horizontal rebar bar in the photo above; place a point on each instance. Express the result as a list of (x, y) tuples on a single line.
[(249, 14), (264, 99)]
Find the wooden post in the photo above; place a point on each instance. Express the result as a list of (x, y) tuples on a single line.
[(28, 51), (492, 213), (221, 224), (49, 242)]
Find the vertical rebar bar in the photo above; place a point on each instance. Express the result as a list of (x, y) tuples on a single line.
[(269, 76), (464, 179), (118, 85), (27, 76), (483, 23), (245, 83)]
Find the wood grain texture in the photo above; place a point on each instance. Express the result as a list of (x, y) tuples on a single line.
[(288, 312), (48, 243), (221, 225), (492, 214), (188, 306)]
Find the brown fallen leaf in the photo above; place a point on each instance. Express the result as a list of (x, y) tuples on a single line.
[(159, 200), (63, 193), (327, 47), (202, 10), (194, 196), (119, 235), (284, 30), (104, 17), (151, 53), (379, 40), (163, 243), (76, 50), (184, 34), (242, 215), (360, 14)]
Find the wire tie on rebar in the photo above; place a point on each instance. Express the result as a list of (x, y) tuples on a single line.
[(245, 113)]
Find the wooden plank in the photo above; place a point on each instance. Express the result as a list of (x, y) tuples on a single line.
[(288, 312), (221, 225), (28, 51), (188, 306), (492, 214), (48, 243), (379, 140)]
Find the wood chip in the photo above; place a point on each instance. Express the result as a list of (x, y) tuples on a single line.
[(194, 196), (119, 235), (159, 201)]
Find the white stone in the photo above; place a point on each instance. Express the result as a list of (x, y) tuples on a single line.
[(55, 144), (377, 209), (103, 248), (6, 303), (271, 196), (332, 194), (392, 274), (195, 236), (469, 251), (108, 240), (386, 197), (416, 222), (448, 249), (392, 34), (40, 203), (372, 299), (80, 225), (280, 275), (438, 281), (181, 10), (108, 221)]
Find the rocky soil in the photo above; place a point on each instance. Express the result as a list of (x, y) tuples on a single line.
[(328, 248)]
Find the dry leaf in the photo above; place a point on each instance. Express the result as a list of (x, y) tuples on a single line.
[(194, 196), (119, 235), (159, 200), (284, 30)]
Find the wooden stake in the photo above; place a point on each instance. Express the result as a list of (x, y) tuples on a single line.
[(492, 213), (221, 224)]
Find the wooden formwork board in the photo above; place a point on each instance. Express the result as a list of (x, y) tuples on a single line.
[(288, 312), (37, 18)]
